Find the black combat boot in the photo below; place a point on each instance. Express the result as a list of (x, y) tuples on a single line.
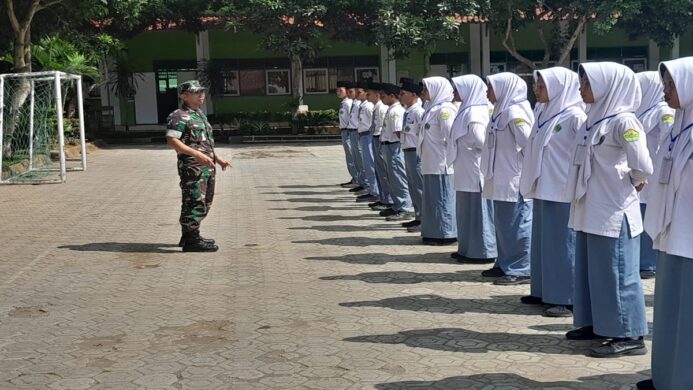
[(184, 237), (198, 244)]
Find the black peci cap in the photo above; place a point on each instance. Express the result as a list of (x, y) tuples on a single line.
[(363, 84), (412, 87), (391, 89), (374, 86), (342, 84), (405, 80), (349, 84)]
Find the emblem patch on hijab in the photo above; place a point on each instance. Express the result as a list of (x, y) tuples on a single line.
[(668, 119), (631, 135)]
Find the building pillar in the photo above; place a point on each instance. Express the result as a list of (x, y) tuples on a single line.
[(203, 56), (388, 66), (475, 49), (675, 49), (652, 55), (485, 49)]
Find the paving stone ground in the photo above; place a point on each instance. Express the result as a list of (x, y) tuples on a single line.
[(309, 290)]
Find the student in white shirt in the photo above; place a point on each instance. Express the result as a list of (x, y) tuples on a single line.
[(501, 164), (559, 116), (438, 220), (359, 95), (385, 201), (366, 140), (657, 118), (476, 233), (392, 152), (669, 221), (611, 164), (409, 97), (344, 110)]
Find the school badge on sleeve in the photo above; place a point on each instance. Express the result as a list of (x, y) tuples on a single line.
[(631, 135), (557, 128), (520, 122), (668, 119), (445, 116)]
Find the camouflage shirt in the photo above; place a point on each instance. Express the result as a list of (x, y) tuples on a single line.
[(191, 127)]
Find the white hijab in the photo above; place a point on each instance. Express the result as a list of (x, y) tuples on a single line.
[(652, 98), (474, 108), (563, 88), (659, 214), (616, 91), (511, 100), (441, 94)]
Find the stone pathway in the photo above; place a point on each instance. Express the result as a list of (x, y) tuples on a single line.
[(308, 291)]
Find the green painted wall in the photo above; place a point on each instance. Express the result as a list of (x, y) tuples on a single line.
[(151, 46), (224, 44), (614, 38), (414, 64)]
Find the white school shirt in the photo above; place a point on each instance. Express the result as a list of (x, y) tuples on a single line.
[(556, 159), (393, 123), (434, 133), (354, 114), (620, 161), (365, 117), (502, 182), (344, 113), (467, 166), (379, 117), (655, 136), (410, 133)]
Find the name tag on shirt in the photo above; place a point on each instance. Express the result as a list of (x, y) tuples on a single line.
[(579, 156), (665, 173), (491, 140)]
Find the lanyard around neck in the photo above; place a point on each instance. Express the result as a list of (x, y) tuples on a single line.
[(652, 107), (494, 118), (674, 139), (541, 124)]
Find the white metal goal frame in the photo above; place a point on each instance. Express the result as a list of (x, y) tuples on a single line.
[(57, 77)]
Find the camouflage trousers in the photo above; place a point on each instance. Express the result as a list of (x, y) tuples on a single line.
[(197, 186)]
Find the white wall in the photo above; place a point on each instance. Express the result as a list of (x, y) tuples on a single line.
[(145, 100)]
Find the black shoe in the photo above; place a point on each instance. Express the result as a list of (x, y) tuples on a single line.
[(647, 274), (347, 184), (559, 311), (381, 207), (183, 239), (387, 213), (439, 241), (511, 280), (414, 229), (199, 245), (366, 198), (357, 189), (411, 223), (375, 204), (584, 333), (469, 260), (619, 347), (645, 385), (531, 300), (494, 272)]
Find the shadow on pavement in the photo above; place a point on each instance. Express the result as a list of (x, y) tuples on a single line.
[(505, 304), (318, 200), (406, 277), (301, 193), (469, 341), (311, 186), (365, 241), (332, 218), (384, 258), (349, 228), (514, 381), (315, 208), (124, 247)]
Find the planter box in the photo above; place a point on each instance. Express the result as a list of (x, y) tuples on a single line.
[(317, 130)]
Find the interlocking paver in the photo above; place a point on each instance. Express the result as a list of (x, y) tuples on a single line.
[(309, 290)]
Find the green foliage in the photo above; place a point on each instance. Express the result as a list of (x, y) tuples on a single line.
[(319, 118), (660, 21), (55, 53)]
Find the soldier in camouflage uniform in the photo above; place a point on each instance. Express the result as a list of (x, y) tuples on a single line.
[(190, 134)]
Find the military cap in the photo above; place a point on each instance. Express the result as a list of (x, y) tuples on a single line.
[(192, 86), (390, 89), (412, 87)]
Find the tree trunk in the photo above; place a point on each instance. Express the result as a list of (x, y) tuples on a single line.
[(296, 77)]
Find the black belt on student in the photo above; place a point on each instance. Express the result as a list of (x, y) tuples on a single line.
[(376, 136), (350, 129), (389, 143), (343, 129), (409, 149), (363, 133)]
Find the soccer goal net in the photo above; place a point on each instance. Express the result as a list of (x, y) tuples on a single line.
[(41, 127)]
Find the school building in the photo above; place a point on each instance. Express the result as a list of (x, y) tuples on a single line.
[(251, 78)]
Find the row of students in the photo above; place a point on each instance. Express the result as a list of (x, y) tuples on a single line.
[(582, 229)]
